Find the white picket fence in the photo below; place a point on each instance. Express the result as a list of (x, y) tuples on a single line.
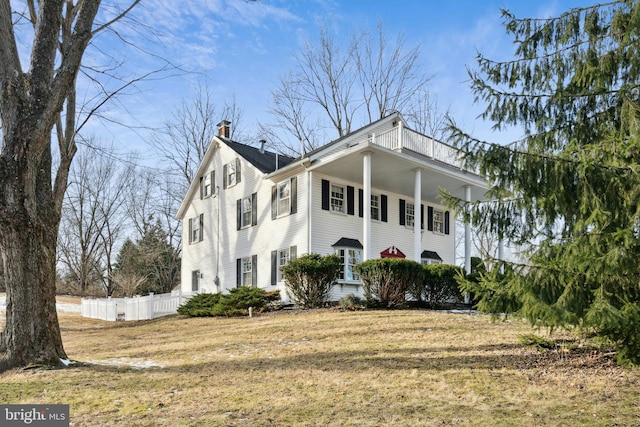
[(135, 308)]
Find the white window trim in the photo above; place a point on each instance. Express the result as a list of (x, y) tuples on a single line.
[(207, 185), (344, 199), (243, 212), (195, 230), (429, 261), (244, 262), (287, 211), (440, 221), (377, 198), (344, 273), (409, 223), (286, 251), (231, 166)]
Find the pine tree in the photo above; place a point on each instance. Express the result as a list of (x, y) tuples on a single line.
[(569, 189)]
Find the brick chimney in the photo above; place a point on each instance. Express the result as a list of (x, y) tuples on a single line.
[(224, 129)]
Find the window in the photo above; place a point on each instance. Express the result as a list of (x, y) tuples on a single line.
[(430, 261), (337, 198), (231, 174), (208, 184), (284, 197), (409, 215), (247, 214), (195, 280), (375, 207), (247, 269), (438, 221), (349, 257), (195, 229), (280, 258)]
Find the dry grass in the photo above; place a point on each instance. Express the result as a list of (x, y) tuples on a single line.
[(403, 368)]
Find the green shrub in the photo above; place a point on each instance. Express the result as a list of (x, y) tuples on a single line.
[(235, 303), (352, 302), (440, 284), (386, 280), (199, 305), (310, 278)]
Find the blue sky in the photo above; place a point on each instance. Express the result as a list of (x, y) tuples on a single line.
[(242, 48)]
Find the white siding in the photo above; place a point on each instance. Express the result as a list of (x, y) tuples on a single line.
[(328, 227), (260, 240)]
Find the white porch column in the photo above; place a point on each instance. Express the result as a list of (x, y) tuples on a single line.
[(467, 234), (467, 241), (417, 214), (366, 205)]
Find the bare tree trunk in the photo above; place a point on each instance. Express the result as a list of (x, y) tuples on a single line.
[(28, 235)]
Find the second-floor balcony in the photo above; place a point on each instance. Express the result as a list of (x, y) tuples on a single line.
[(403, 139)]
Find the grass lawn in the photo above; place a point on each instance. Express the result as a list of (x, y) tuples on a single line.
[(326, 368)]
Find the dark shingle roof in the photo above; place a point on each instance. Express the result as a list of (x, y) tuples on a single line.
[(348, 243), (264, 161), (430, 255)]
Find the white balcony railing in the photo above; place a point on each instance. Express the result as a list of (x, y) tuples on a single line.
[(400, 138)]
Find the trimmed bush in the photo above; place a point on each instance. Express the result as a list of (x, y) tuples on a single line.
[(235, 303), (440, 284), (387, 280), (310, 278), (199, 305)]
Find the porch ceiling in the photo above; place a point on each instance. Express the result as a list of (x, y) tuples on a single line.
[(393, 171)]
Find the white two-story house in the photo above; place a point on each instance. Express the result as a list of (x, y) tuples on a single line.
[(371, 194)]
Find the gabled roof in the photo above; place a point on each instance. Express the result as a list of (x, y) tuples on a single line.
[(265, 161), (348, 243), (430, 255)]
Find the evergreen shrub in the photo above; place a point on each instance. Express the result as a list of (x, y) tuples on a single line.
[(310, 278), (235, 303), (386, 280)]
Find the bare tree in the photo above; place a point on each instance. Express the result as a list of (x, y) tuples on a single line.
[(32, 104), (388, 73), (93, 217), (425, 116), (184, 139), (346, 83)]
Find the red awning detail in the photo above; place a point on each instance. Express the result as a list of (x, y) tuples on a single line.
[(392, 252)]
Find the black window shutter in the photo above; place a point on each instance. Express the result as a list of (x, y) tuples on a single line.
[(430, 218), (201, 237), (274, 204), (224, 176), (239, 214), (254, 271), (360, 202), (350, 201), (383, 208), (325, 195), (201, 188), (422, 216), (446, 222), (238, 272), (294, 195), (402, 211), (213, 182), (238, 175), (254, 209), (274, 267)]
